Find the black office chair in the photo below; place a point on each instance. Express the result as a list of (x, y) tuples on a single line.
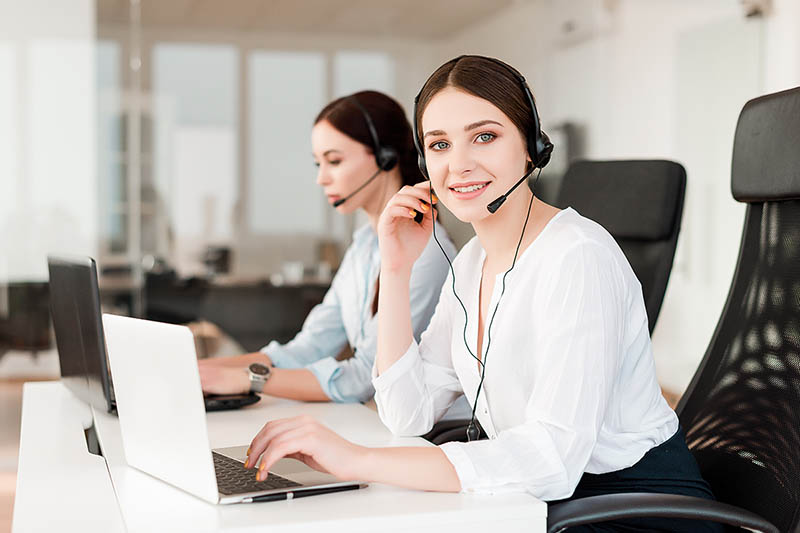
[(741, 411), (640, 203), (25, 317)]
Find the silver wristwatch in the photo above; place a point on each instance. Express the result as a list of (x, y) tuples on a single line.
[(259, 374)]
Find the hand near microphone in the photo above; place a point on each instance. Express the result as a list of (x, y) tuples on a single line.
[(402, 232)]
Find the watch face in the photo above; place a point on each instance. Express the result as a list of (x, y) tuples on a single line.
[(259, 369)]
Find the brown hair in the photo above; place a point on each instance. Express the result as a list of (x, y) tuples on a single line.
[(485, 78), (391, 125)]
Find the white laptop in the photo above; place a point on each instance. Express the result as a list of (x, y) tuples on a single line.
[(163, 421)]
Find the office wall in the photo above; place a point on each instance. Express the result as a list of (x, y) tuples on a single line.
[(48, 189), (666, 79), (272, 90)]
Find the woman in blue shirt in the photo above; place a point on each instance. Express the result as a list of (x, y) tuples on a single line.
[(363, 147)]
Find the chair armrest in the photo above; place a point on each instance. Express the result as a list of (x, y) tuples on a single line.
[(636, 505)]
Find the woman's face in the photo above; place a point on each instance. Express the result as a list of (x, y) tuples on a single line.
[(474, 153), (344, 164)]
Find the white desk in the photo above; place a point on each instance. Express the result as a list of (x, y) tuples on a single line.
[(146, 504), (60, 485)]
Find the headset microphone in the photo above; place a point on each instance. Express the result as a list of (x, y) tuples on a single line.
[(495, 205), (340, 201)]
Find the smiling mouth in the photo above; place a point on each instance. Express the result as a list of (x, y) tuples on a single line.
[(470, 188)]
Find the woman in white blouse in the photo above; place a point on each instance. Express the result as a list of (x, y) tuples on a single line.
[(362, 146), (545, 311)]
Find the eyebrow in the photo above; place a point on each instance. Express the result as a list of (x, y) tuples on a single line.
[(468, 127), (332, 150)]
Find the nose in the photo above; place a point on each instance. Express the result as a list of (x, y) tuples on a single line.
[(323, 177), (460, 161)]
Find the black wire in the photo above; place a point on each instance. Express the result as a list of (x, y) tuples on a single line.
[(482, 363)]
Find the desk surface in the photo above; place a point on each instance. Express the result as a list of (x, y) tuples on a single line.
[(140, 503)]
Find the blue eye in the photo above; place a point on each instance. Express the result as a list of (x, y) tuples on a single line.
[(486, 137), (438, 146)]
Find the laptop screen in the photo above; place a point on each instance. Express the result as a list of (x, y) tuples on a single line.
[(75, 309)]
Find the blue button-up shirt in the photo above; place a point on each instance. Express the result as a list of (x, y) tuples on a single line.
[(345, 317)]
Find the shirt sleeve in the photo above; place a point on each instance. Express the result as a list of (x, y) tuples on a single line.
[(418, 388), (578, 353)]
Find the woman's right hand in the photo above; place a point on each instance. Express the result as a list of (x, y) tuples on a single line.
[(401, 239)]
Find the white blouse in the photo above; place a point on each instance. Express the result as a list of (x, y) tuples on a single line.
[(570, 379)]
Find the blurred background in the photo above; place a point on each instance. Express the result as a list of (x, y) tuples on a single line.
[(170, 140)]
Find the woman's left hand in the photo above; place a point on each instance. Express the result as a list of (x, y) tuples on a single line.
[(306, 440)]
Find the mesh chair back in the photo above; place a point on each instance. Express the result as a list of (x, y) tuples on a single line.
[(741, 412), (640, 203)]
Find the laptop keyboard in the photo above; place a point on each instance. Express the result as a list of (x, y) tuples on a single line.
[(234, 478)]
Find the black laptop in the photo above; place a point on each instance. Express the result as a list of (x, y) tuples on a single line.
[(75, 309)]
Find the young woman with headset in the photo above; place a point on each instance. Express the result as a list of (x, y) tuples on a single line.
[(541, 323), (362, 145)]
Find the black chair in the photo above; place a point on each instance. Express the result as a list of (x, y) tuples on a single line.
[(740, 411), (640, 203), (25, 318)]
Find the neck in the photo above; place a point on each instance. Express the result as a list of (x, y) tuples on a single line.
[(383, 190), (500, 232)]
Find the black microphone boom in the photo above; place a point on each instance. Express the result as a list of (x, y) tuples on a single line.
[(340, 201), (495, 205)]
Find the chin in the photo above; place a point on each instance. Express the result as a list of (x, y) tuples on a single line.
[(470, 214)]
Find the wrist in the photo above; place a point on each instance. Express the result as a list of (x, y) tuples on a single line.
[(264, 359), (400, 276), (244, 384), (258, 374), (363, 465)]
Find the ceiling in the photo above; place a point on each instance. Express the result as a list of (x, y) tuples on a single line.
[(414, 19)]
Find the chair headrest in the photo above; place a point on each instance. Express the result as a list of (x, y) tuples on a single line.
[(766, 149), (630, 199)]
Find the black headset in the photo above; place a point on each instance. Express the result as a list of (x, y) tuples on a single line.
[(385, 156), (539, 145), (539, 149)]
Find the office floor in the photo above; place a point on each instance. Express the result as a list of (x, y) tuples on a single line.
[(15, 369)]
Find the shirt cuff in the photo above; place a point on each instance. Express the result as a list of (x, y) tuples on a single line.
[(468, 476), (396, 371), (465, 471), (325, 370), (279, 356)]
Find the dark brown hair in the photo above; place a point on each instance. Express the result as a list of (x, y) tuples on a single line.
[(391, 125), (484, 78)]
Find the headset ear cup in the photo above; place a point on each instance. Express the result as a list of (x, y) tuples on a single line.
[(386, 158), (544, 149)]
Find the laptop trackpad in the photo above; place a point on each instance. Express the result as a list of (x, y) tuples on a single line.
[(290, 468)]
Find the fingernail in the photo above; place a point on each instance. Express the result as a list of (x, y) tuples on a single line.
[(248, 450), (247, 463), (434, 197), (412, 213), (423, 207), (261, 467)]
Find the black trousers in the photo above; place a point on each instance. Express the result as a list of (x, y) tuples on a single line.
[(669, 468)]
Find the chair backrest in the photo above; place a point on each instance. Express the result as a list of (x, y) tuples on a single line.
[(640, 203), (25, 320), (741, 411)]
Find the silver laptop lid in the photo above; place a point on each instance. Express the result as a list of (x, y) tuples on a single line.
[(160, 403)]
